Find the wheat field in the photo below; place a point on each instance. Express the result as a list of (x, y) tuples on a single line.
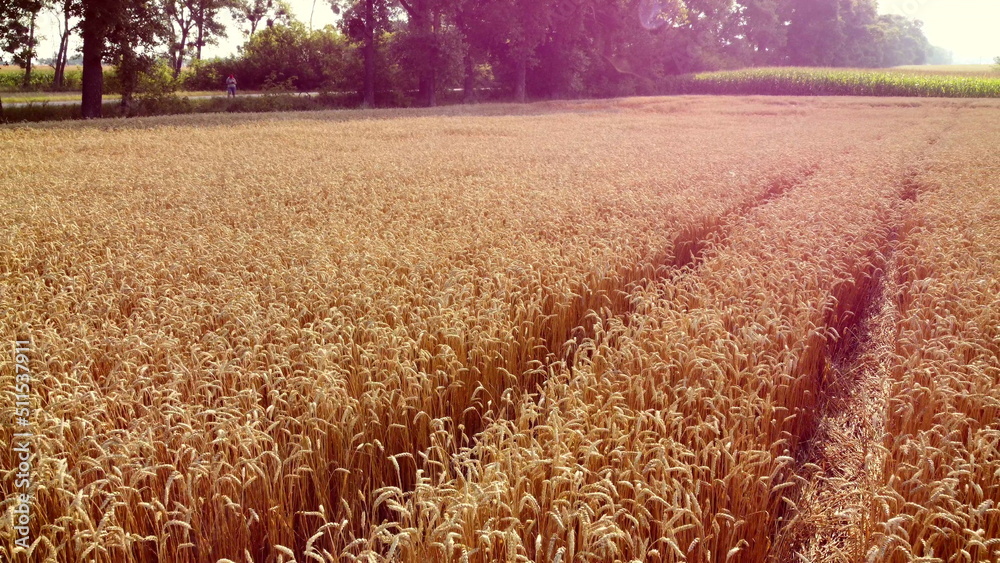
[(650, 329)]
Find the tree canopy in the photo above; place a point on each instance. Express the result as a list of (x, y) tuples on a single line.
[(523, 48)]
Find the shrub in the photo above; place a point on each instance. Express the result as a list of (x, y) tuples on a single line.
[(289, 56)]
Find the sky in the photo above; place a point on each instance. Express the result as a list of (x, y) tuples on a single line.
[(318, 10), (966, 27)]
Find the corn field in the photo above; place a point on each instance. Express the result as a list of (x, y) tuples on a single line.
[(650, 329), (790, 81)]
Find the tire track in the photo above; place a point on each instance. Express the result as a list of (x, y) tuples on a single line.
[(687, 254), (831, 517), (569, 326), (845, 456)]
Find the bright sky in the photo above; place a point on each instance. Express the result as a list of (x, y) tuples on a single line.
[(966, 27), (318, 10)]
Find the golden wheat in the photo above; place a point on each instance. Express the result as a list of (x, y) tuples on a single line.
[(570, 331)]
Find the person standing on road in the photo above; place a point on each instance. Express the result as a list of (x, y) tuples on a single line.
[(231, 86)]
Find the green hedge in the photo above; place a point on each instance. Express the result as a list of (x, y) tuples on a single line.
[(173, 105)]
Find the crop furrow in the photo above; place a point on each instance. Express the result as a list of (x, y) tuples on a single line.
[(842, 460), (421, 438), (589, 308), (690, 246), (565, 328)]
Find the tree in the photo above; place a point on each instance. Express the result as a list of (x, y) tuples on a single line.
[(851, 33), (369, 85), (252, 12), (98, 18), (193, 24), (17, 32), (115, 31), (27, 55), (67, 11), (815, 33), (424, 23), (290, 54), (131, 43), (531, 21), (608, 48), (179, 17), (902, 41), (759, 31), (363, 21), (507, 32), (483, 26), (207, 25)]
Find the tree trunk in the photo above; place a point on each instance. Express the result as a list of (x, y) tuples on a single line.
[(369, 100), (201, 28), (521, 79), (59, 75), (423, 23), (60, 70), (1, 111), (179, 58), (31, 52), (128, 77), (469, 87), (93, 72), (428, 88)]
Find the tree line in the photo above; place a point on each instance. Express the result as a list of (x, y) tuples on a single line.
[(526, 48)]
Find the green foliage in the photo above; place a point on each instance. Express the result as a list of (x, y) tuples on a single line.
[(532, 48), (43, 111), (850, 33), (155, 80), (41, 80), (289, 55), (17, 37), (173, 105), (900, 41), (835, 82)]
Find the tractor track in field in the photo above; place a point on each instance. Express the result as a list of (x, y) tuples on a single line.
[(858, 315), (557, 350), (688, 252), (841, 466), (843, 459)]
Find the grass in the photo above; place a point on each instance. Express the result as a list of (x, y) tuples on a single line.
[(570, 331)]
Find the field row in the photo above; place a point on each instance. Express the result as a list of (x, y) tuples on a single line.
[(674, 432), (939, 496)]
